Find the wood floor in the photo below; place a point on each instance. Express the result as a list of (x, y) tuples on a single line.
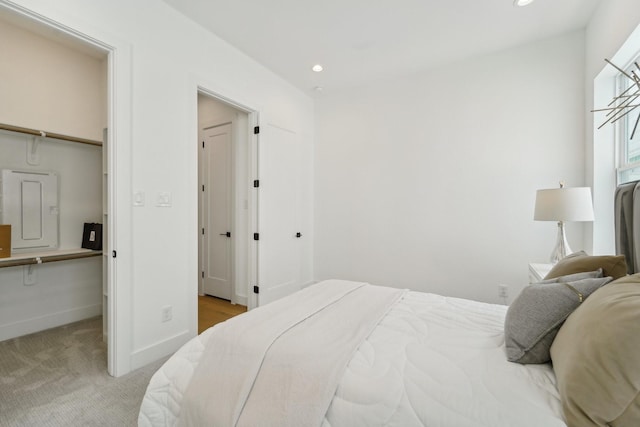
[(213, 310)]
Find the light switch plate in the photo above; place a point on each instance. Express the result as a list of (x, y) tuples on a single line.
[(164, 199), (138, 198)]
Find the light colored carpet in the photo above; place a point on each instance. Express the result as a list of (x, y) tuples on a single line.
[(59, 378)]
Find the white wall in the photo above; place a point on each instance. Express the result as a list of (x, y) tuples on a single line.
[(611, 25), (429, 182), (157, 247), (50, 86)]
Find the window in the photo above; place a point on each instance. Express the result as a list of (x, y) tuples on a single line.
[(628, 148)]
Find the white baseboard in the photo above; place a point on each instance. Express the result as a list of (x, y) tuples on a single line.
[(151, 353), (241, 299), (37, 324)]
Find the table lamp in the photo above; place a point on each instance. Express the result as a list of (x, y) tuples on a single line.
[(562, 205)]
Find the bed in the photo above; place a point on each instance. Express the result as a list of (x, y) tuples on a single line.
[(344, 353), (428, 361)]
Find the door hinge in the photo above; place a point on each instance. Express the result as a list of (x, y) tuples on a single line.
[(113, 254), (202, 144), (256, 236), (256, 130), (203, 231), (203, 188), (256, 289), (256, 183), (203, 274)]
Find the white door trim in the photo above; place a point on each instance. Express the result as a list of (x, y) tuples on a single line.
[(209, 87)]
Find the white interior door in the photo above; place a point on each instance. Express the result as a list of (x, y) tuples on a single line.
[(217, 213), (279, 260)]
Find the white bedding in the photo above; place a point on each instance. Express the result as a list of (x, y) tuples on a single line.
[(260, 364), (431, 361)]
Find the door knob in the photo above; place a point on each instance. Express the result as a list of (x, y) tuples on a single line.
[(228, 234), (298, 235)]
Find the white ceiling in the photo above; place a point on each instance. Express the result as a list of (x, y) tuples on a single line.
[(363, 41)]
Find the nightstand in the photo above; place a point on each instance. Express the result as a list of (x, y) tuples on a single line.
[(538, 271)]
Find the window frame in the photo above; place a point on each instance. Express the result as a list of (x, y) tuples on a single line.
[(626, 171)]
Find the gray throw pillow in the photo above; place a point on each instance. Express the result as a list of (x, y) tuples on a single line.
[(536, 315)]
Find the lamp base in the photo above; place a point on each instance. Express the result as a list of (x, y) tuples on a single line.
[(562, 245)]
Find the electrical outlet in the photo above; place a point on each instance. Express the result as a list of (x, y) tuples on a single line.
[(503, 291), (167, 313)]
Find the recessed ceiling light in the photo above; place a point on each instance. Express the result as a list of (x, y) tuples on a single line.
[(317, 68), (522, 2)]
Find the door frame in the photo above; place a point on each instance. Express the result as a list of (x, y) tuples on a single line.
[(203, 85), (119, 274), (232, 209)]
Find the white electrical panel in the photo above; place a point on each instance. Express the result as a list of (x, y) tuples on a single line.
[(29, 202)]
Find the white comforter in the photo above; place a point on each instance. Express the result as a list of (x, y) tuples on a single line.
[(280, 365), (431, 361)]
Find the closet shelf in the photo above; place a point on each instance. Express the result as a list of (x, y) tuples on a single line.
[(30, 258), (36, 132)]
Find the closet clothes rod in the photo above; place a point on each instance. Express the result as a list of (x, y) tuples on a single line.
[(43, 259), (35, 132)]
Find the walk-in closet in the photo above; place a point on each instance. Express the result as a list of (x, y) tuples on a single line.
[(53, 163)]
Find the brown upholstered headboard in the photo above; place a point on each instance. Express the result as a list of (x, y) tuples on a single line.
[(627, 218)]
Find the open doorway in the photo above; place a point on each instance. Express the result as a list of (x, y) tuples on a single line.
[(223, 210), (57, 128)]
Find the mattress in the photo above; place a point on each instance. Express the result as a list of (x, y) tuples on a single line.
[(431, 361)]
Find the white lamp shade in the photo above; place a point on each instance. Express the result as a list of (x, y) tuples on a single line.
[(564, 204)]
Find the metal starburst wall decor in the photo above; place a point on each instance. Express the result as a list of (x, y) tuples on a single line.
[(625, 103)]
